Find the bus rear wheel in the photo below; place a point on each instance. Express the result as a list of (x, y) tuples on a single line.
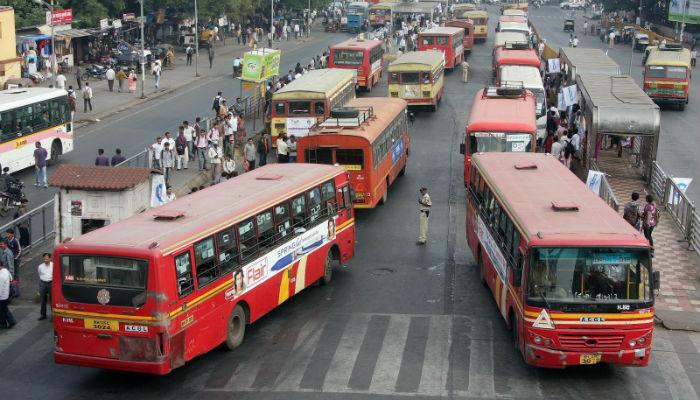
[(327, 269), (235, 328), (385, 195), (403, 171)]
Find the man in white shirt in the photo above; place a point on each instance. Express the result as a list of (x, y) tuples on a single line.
[(60, 81), (282, 149), (87, 97), (189, 137), (110, 75), (157, 148), (296, 31), (169, 195), (215, 159), (45, 270), (168, 139), (7, 320)]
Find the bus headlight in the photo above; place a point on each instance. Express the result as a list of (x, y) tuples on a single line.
[(632, 343), (538, 340)]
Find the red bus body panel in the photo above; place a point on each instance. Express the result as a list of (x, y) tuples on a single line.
[(454, 53), (468, 26), (527, 58), (368, 74)]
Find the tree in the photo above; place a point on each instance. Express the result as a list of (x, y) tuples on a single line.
[(27, 13)]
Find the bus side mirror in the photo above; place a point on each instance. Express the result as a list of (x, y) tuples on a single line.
[(656, 280), (462, 148)]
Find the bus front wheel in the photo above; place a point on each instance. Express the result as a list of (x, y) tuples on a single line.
[(327, 269), (235, 328)]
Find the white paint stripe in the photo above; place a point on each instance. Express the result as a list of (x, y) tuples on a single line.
[(338, 375), (671, 368), (436, 363), (695, 339), (481, 381), (386, 371), (299, 358), (244, 375)]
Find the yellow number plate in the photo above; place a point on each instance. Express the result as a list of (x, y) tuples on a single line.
[(101, 324), (589, 359)]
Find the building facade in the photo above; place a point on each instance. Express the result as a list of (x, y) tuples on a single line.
[(9, 62)]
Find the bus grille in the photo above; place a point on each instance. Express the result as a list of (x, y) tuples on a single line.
[(591, 341)]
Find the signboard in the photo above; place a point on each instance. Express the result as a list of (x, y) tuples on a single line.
[(116, 24), (128, 17), (300, 126), (104, 24), (692, 11), (553, 66), (570, 94), (491, 248), (60, 17), (260, 65), (674, 198), (594, 181)]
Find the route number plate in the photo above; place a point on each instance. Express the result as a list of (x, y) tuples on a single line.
[(589, 359), (101, 324)]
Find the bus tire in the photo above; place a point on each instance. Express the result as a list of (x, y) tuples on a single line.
[(55, 152), (403, 171), (369, 86), (235, 328), (327, 269)]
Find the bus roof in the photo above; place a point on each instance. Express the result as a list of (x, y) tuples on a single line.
[(13, 98), (674, 58), (528, 194), (357, 44), (517, 57), (528, 75), (441, 30), (514, 12), (384, 110), (421, 60), (206, 211), (382, 6), (509, 36), (588, 61), (461, 23), (475, 14), (513, 18), (502, 114), (463, 7), (318, 83)]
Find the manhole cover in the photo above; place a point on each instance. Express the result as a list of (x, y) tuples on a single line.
[(381, 271)]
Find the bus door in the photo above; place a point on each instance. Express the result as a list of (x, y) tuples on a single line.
[(184, 315)]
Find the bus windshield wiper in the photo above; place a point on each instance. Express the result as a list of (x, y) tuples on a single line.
[(546, 303)]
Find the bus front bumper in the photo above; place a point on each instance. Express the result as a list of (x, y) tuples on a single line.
[(161, 367), (552, 358)]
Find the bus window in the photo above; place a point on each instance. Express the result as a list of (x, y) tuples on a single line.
[(266, 230), (23, 120), (7, 126), (346, 197), (426, 77), (319, 108), (328, 197), (298, 211), (350, 158), (348, 57), (228, 250), (318, 156), (248, 240), (183, 271), (442, 40), (394, 77), (314, 205), (427, 40), (299, 108), (283, 224), (279, 108), (205, 262), (410, 78)]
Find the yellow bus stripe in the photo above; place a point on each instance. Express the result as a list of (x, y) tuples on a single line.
[(619, 322), (81, 314), (579, 316)]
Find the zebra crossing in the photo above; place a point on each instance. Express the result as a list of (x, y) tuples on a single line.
[(396, 355)]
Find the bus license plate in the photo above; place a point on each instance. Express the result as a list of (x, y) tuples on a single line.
[(101, 324), (589, 359)]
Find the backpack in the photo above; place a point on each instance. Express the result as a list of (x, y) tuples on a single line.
[(215, 106), (631, 213), (179, 147), (569, 148)]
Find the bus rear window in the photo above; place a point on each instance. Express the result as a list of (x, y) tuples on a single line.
[(410, 78), (442, 40), (427, 40), (675, 72), (350, 158), (84, 277), (348, 57), (279, 108)]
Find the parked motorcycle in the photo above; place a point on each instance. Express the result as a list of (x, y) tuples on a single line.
[(94, 71), (11, 197)]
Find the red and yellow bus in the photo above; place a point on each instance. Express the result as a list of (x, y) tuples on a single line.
[(373, 146), (667, 74), (449, 40), (468, 26), (151, 292), (502, 119), (364, 56), (515, 54), (481, 23), (571, 278), (380, 14)]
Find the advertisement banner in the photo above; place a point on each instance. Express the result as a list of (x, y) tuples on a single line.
[(674, 198), (128, 17), (570, 95), (491, 248), (157, 190), (692, 11), (260, 65), (60, 17), (553, 66), (300, 126), (594, 181), (104, 24)]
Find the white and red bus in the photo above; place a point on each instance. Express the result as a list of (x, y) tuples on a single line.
[(151, 292), (468, 26), (449, 40), (31, 115), (515, 54), (502, 119), (365, 56), (571, 278), (372, 145)]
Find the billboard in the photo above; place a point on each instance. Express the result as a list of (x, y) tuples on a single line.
[(692, 11), (261, 64), (60, 17)]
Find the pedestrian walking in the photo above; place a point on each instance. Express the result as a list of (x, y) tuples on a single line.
[(188, 52), (16, 248), (424, 205), (611, 38), (181, 149), (215, 159), (78, 77), (156, 71), (292, 147), (7, 258), (585, 27), (211, 56), (157, 149), (121, 77), (263, 147), (168, 139), (296, 31), (87, 97), (650, 218), (631, 212), (201, 143), (216, 104), (45, 270), (249, 151), (40, 155), (110, 74), (101, 160), (229, 137), (693, 57), (282, 149), (132, 82), (189, 137), (7, 320), (167, 160), (72, 102), (117, 158)]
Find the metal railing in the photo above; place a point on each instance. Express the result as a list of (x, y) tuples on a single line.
[(678, 204), (39, 222), (607, 194), (142, 159)]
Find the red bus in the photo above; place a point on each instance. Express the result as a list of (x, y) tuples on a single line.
[(571, 278), (446, 39), (514, 54), (365, 56), (502, 119), (468, 26), (372, 145), (151, 292)]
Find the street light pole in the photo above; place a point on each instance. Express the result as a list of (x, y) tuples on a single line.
[(308, 21), (142, 56), (680, 39), (196, 41)]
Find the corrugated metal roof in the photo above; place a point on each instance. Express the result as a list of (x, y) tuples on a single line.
[(91, 177), (73, 33), (590, 61)]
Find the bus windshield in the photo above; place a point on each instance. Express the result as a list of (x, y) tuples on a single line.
[(485, 142), (348, 57), (658, 71), (84, 277), (589, 275)]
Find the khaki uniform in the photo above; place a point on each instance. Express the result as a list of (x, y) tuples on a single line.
[(424, 205)]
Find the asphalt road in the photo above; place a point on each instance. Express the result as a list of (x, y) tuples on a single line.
[(677, 153), (398, 321)]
